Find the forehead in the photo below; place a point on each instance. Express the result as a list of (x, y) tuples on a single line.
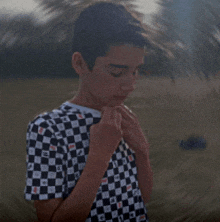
[(123, 55)]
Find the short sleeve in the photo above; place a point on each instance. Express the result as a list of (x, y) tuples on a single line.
[(45, 173)]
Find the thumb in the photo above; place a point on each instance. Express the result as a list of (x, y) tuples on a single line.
[(118, 118)]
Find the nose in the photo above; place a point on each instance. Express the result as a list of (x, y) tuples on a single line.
[(127, 88), (128, 83)]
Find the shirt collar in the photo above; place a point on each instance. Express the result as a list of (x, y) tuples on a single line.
[(83, 109)]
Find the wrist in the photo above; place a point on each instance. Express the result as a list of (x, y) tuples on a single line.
[(142, 149), (143, 159), (98, 159), (142, 152)]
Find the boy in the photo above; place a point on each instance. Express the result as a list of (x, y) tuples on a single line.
[(88, 160)]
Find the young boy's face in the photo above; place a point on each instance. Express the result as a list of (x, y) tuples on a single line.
[(113, 76)]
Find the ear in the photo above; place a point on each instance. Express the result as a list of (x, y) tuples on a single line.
[(79, 64)]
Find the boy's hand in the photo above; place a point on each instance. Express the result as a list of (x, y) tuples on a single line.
[(106, 135), (132, 132)]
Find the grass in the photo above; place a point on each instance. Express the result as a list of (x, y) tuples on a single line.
[(186, 183)]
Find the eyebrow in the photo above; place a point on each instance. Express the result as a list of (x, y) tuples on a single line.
[(119, 66), (123, 66)]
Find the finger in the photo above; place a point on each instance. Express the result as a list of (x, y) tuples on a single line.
[(106, 114), (126, 112), (107, 109), (117, 118), (111, 115)]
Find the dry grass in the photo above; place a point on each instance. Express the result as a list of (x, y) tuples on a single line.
[(186, 183)]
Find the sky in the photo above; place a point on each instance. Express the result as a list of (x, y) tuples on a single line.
[(14, 7)]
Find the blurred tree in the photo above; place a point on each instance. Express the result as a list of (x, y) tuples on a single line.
[(68, 10), (189, 30), (29, 49), (17, 30), (207, 36), (173, 30), (60, 28)]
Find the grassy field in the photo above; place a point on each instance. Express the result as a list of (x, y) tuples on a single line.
[(186, 183)]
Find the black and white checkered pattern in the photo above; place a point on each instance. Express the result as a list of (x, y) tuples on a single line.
[(57, 150)]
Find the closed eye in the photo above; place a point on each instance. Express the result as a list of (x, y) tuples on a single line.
[(136, 72), (118, 70), (116, 74)]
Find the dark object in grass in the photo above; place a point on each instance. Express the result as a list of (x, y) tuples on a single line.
[(193, 143)]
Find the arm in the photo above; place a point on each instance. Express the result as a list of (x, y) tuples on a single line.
[(145, 174), (134, 136), (104, 139), (77, 206)]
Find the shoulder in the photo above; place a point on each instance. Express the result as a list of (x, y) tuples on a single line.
[(53, 118), (45, 132), (58, 124), (41, 123)]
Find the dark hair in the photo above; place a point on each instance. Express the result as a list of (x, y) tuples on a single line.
[(102, 25)]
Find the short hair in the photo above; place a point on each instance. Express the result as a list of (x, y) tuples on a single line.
[(102, 25)]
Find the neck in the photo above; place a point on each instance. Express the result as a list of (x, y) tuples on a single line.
[(81, 102), (84, 98)]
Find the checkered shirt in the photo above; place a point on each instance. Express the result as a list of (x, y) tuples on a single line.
[(57, 150)]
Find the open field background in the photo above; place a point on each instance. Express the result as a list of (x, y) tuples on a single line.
[(186, 183)]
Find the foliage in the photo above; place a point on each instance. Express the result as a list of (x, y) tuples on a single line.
[(190, 32), (207, 36), (67, 11), (29, 49)]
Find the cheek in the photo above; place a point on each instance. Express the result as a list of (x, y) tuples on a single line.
[(109, 84), (104, 84), (108, 88)]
